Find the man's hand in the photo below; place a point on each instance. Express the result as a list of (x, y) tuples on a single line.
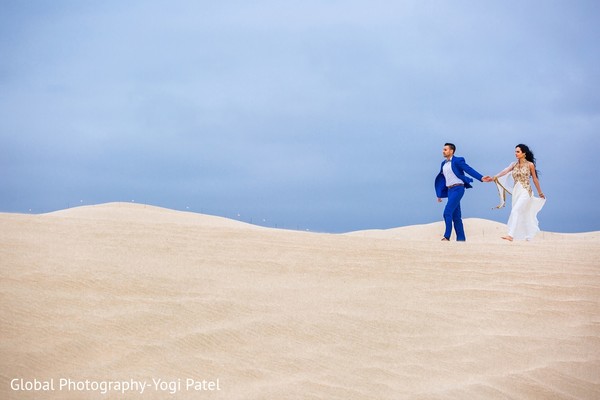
[(487, 178), (439, 200)]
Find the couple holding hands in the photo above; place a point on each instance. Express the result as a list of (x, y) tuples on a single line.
[(452, 181)]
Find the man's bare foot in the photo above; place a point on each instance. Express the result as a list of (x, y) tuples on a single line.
[(509, 238), (445, 239)]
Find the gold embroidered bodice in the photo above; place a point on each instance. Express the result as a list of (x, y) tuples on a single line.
[(521, 174)]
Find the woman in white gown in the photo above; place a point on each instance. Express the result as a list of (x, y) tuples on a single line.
[(523, 222)]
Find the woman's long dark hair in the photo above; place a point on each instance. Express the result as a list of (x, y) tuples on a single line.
[(528, 155)]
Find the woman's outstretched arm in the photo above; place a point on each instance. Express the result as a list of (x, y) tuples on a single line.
[(505, 170)]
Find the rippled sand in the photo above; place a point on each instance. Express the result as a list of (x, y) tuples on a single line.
[(120, 291)]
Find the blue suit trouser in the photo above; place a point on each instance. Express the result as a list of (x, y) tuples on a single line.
[(452, 213)]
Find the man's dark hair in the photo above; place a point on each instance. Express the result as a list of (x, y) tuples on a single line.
[(452, 146)]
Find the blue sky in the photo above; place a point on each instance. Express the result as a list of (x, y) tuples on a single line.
[(321, 115)]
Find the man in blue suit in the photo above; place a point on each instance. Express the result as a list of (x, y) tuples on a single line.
[(451, 182)]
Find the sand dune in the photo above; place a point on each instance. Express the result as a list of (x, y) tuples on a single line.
[(478, 230), (123, 292)]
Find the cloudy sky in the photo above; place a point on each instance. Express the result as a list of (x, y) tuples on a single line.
[(323, 115)]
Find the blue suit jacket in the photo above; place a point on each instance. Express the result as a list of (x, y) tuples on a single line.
[(459, 167)]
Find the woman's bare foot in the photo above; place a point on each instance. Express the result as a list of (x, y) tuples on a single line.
[(509, 238)]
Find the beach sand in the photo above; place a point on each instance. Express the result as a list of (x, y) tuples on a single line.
[(120, 292)]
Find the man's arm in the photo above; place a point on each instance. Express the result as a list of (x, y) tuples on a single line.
[(467, 168)]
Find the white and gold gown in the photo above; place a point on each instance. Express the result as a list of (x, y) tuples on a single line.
[(522, 223)]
